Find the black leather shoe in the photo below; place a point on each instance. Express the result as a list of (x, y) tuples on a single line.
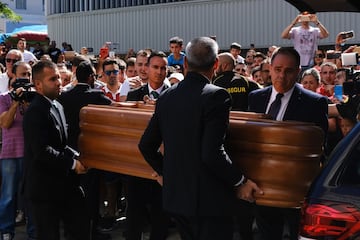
[(106, 224), (100, 236)]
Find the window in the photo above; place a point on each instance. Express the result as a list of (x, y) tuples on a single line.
[(351, 171), (20, 4)]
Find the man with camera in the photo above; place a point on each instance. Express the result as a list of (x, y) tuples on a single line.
[(12, 107), (305, 37)]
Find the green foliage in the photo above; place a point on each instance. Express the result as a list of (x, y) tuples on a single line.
[(6, 12)]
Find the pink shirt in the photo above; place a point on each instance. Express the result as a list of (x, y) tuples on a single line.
[(13, 137)]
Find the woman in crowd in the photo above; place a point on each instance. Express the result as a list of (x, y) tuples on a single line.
[(310, 79)]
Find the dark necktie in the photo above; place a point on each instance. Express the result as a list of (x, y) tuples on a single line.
[(275, 106), (62, 127), (155, 94)]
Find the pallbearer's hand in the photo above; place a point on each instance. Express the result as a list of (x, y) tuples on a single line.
[(248, 190), (157, 177), (80, 168)]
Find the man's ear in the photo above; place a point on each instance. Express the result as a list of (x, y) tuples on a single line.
[(37, 84), (185, 63), (216, 64)]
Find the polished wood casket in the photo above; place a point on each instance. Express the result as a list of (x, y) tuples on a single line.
[(281, 157)]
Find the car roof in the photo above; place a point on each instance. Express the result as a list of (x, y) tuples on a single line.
[(326, 5)]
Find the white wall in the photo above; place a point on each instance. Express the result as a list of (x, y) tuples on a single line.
[(245, 21)]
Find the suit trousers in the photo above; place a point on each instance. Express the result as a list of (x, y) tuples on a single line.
[(205, 227), (144, 206), (272, 220), (244, 219), (71, 210)]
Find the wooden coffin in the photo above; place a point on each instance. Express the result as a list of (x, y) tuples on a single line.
[(282, 157)]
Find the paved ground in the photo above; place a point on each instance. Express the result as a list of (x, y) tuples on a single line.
[(116, 234)]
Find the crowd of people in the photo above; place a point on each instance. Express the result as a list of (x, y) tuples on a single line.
[(197, 189)]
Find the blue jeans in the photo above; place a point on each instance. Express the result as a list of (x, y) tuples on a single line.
[(11, 173)]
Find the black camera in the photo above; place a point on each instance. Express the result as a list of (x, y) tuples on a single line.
[(347, 35), (333, 55), (27, 94), (352, 84)]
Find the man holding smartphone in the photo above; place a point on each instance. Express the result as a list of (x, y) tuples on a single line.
[(305, 37)]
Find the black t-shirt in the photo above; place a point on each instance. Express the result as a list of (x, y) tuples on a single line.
[(239, 88), (54, 54)]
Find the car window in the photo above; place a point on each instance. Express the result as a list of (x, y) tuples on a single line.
[(351, 168)]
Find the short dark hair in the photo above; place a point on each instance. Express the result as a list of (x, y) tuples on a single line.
[(15, 66), (260, 54), (255, 70), (287, 51), (38, 68), (130, 62), (109, 61), (156, 54), (121, 63), (83, 71), (235, 45), (142, 53), (176, 40), (77, 60)]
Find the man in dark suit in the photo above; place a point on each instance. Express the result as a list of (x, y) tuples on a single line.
[(73, 100), (286, 100), (144, 196), (50, 186), (155, 85), (200, 183)]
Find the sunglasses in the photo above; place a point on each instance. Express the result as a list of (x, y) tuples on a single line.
[(320, 55), (116, 72), (9, 60)]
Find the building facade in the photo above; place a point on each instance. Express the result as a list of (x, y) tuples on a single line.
[(31, 11), (139, 24)]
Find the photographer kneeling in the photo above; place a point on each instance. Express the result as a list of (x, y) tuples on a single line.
[(13, 104)]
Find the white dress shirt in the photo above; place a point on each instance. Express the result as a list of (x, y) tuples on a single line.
[(284, 102)]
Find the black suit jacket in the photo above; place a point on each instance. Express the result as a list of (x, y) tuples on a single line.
[(73, 100), (47, 167), (191, 119), (139, 93), (304, 105)]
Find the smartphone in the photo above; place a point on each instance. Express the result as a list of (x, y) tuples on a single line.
[(333, 55), (347, 35), (305, 18), (338, 92), (104, 53)]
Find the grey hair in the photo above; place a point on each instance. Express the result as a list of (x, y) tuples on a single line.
[(16, 52), (313, 72), (201, 53)]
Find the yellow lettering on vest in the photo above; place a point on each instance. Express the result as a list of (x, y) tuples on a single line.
[(237, 90)]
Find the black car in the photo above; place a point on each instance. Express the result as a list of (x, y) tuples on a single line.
[(332, 206)]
